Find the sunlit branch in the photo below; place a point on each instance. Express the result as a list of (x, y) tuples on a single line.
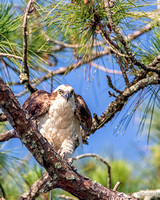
[(11, 56), (141, 31)]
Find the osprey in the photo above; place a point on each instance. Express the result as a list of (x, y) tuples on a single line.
[(59, 116)]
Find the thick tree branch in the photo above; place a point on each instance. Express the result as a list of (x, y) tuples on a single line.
[(61, 172)]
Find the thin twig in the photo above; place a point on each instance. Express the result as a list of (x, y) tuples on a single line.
[(100, 159), (116, 186), (24, 76), (110, 84), (26, 70), (10, 55)]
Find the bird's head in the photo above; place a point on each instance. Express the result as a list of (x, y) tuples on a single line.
[(65, 91)]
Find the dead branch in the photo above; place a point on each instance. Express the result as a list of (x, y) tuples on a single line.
[(100, 159), (62, 174), (75, 46)]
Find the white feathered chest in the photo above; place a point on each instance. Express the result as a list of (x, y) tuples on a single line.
[(60, 125)]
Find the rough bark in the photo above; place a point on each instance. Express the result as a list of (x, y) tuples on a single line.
[(62, 174)]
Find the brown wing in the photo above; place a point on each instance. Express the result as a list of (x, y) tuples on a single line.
[(37, 104), (82, 113)]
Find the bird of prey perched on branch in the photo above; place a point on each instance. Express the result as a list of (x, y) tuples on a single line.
[(59, 116)]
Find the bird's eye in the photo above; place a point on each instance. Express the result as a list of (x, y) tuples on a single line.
[(72, 91), (60, 91)]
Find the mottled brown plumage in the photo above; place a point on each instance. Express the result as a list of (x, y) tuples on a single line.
[(37, 104), (59, 117)]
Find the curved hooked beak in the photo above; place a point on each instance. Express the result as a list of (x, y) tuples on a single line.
[(67, 95)]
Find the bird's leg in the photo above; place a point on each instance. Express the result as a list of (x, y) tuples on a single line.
[(67, 148), (66, 151)]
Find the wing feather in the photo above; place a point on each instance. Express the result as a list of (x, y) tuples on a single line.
[(37, 104), (83, 113)]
